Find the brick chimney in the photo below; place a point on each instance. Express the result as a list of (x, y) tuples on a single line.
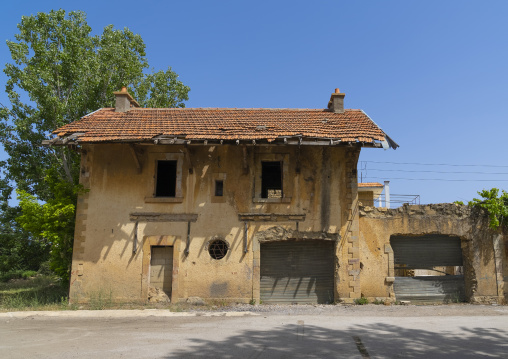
[(124, 101), (336, 103)]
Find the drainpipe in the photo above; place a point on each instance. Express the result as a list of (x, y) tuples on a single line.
[(187, 244), (135, 243), (387, 194), (245, 234)]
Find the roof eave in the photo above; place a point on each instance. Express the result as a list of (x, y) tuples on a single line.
[(74, 139)]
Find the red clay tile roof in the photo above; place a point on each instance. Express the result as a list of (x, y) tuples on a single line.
[(370, 184), (143, 124)]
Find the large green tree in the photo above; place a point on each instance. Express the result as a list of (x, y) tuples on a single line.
[(60, 72), (18, 250)]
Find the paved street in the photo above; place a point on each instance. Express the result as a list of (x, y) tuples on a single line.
[(161, 334)]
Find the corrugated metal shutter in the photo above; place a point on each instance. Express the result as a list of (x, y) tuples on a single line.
[(430, 289), (426, 251), (297, 271), (161, 268)]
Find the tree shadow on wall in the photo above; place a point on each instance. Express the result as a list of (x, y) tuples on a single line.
[(362, 341)]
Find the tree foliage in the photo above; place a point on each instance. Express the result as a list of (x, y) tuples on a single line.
[(18, 250), (59, 73), (52, 222), (495, 204)]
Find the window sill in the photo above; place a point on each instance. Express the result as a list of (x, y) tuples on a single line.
[(272, 200), (163, 199)]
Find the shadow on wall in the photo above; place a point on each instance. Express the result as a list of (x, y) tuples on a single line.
[(376, 341)]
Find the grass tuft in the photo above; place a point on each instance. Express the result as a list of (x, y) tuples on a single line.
[(34, 293)]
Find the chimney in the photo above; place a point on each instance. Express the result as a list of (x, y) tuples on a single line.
[(336, 103), (124, 101), (387, 194)]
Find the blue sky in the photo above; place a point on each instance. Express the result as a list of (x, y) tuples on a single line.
[(433, 74)]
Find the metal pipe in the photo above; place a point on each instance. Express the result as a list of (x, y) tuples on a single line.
[(187, 245), (245, 237), (135, 243)]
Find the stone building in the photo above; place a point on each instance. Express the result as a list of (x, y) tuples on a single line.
[(369, 193), (238, 204)]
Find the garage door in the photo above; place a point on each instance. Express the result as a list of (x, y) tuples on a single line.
[(434, 254), (297, 272)]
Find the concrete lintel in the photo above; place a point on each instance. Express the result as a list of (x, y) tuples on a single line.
[(270, 217), (163, 217)]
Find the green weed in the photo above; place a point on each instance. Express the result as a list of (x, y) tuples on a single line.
[(361, 301), (100, 300)]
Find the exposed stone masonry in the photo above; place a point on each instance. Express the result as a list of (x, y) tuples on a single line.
[(484, 250)]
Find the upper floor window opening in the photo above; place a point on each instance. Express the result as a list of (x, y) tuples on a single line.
[(166, 179), (271, 179), (219, 188)]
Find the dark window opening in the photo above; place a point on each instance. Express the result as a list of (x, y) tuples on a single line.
[(219, 188), (271, 179), (166, 179), (218, 249)]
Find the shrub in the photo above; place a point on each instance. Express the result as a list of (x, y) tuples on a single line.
[(361, 301)]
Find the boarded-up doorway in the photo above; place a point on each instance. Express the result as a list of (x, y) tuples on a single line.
[(428, 269), (297, 271), (161, 268)]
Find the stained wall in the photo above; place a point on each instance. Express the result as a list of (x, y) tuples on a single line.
[(483, 249), (111, 248)]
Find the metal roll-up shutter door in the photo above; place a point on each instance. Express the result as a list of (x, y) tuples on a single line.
[(430, 289), (297, 272), (427, 252)]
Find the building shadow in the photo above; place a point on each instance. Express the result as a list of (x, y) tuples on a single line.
[(377, 340)]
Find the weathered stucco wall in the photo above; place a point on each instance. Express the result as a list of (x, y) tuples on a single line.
[(110, 249), (484, 250)]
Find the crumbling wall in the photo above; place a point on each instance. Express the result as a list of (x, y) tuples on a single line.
[(484, 250)]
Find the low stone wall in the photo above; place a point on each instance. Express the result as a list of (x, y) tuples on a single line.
[(485, 251)]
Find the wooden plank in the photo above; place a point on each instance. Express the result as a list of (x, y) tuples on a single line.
[(270, 217), (161, 268), (135, 157), (163, 217)]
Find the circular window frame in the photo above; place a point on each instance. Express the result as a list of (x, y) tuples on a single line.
[(216, 246)]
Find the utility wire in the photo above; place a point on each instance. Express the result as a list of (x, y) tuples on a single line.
[(426, 171), (441, 179), (435, 164)]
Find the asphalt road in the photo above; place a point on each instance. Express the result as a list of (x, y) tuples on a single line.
[(161, 334)]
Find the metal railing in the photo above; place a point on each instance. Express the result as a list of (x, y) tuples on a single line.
[(397, 200)]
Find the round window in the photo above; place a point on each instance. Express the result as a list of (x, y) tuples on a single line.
[(218, 248)]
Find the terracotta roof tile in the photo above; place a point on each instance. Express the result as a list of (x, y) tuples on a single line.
[(222, 124)]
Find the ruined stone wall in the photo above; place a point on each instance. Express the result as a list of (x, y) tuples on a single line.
[(484, 250)]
